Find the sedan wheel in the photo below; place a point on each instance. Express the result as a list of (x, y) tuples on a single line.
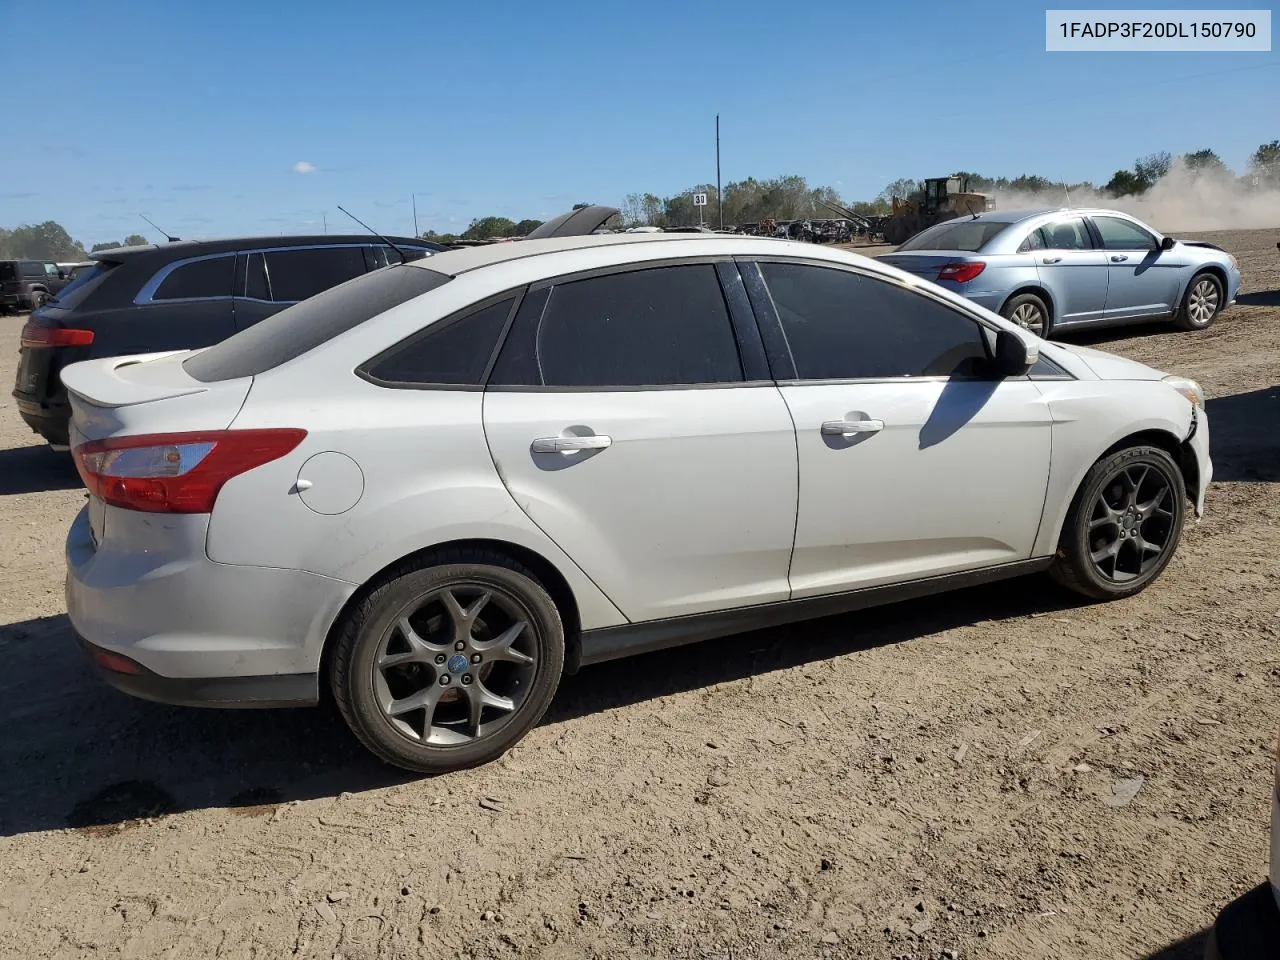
[(1123, 526), (447, 663), (1202, 302), (1029, 312), (1029, 317)]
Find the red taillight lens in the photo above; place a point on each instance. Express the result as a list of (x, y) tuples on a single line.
[(961, 272), (176, 472), (43, 335), (115, 663)]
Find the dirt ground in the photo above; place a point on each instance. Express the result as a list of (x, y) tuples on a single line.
[(925, 780)]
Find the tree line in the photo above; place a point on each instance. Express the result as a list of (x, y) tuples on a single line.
[(751, 200)]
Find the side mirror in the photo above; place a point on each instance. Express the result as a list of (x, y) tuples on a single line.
[(1013, 355), (1167, 243)]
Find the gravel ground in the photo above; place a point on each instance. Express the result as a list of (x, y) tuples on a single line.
[(926, 780)]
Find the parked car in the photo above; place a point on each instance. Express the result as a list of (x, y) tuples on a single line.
[(1248, 928), (177, 296), (437, 487), (27, 284), (1050, 270)]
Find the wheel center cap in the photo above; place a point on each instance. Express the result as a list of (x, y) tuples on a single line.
[(457, 663)]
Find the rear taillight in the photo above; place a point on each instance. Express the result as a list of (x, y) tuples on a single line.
[(961, 272), (42, 335), (176, 472)]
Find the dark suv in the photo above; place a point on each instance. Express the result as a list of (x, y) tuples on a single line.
[(26, 284), (178, 296)]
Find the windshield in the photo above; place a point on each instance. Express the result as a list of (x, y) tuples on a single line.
[(968, 235)]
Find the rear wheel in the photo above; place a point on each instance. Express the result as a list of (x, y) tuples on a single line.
[(448, 663), (1201, 303), (1123, 526), (1029, 312)]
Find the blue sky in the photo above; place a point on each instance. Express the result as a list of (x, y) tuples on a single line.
[(198, 114)]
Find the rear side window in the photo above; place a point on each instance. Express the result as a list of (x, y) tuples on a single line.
[(846, 326), (1035, 241), (7, 271), (32, 270), (297, 274), (450, 352), (664, 326), (199, 279), (304, 326), (1069, 234), (83, 283), (255, 278)]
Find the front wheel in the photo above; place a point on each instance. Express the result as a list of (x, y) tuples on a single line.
[(447, 664), (1201, 303), (1123, 526)]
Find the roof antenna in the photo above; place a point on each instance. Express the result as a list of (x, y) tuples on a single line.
[(1066, 193), (163, 233), (403, 258)]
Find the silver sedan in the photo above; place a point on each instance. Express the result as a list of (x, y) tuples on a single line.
[(1049, 270)]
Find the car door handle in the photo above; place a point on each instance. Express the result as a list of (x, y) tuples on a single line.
[(850, 428), (1052, 259), (1119, 258), (571, 444)]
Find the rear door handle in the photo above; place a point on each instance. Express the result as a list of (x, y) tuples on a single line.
[(1119, 258), (571, 444), (1052, 259), (851, 428)]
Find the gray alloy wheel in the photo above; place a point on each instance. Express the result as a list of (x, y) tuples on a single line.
[(1202, 302), (1123, 526), (1029, 312), (455, 665), (448, 660)]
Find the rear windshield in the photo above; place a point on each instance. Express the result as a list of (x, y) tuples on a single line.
[(83, 283), (968, 235), (316, 320)]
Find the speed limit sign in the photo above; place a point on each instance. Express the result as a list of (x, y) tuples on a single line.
[(699, 199)]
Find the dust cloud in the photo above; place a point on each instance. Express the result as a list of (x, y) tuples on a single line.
[(1183, 200)]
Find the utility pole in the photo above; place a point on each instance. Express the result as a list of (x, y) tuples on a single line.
[(719, 199), (414, 198), (324, 218)]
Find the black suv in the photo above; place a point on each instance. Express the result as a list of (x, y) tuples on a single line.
[(26, 284), (178, 296)]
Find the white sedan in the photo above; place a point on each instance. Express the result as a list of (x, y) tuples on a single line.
[(438, 487)]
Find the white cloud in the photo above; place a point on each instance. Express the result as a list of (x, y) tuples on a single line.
[(302, 166)]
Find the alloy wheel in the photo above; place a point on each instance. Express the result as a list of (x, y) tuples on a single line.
[(1029, 317), (455, 665), (1131, 525), (1202, 304)]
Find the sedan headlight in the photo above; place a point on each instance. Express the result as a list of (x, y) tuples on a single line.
[(1188, 388)]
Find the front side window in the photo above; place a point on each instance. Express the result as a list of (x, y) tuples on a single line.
[(1069, 234), (841, 325), (51, 271), (1120, 234), (199, 279), (298, 274), (449, 352), (663, 326)]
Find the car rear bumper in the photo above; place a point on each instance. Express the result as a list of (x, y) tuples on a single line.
[(191, 630), (50, 420), (1248, 928)]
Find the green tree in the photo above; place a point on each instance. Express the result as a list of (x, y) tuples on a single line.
[(524, 227), (904, 188), (43, 241), (135, 240), (489, 228), (1152, 168), (1125, 183), (1265, 164), (1204, 161), (105, 245)]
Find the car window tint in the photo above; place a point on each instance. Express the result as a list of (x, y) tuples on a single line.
[(1035, 241), (1120, 234), (1069, 234), (842, 325), (51, 270), (297, 274), (965, 234), (200, 278), (255, 278), (664, 326), (306, 325), (450, 352), (30, 269)]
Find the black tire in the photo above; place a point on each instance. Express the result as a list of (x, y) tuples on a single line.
[(1025, 304), (1084, 533), (363, 632), (1201, 303)]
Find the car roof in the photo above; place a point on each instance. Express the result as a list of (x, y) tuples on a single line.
[(195, 248)]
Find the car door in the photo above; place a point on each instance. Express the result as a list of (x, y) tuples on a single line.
[(185, 305), (1072, 269), (914, 461), (622, 422), (1143, 280)]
